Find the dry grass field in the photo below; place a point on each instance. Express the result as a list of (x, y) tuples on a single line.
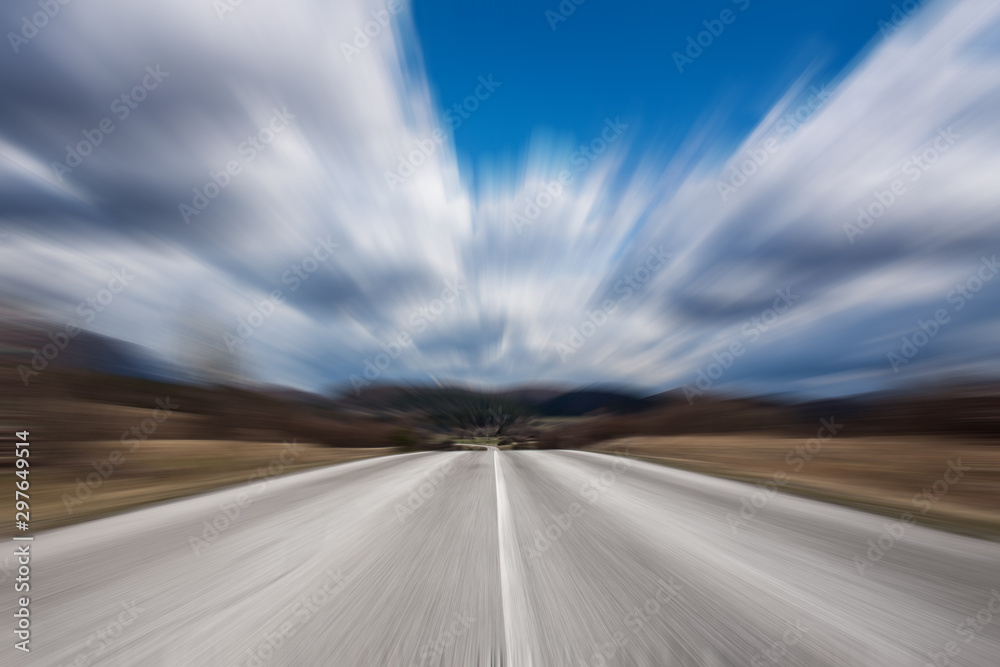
[(951, 484), (118, 479)]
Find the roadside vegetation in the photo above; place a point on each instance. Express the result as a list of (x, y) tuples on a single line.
[(103, 442)]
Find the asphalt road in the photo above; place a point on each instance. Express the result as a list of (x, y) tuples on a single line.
[(507, 558)]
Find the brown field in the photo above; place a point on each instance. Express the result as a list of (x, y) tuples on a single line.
[(877, 474), (160, 470)]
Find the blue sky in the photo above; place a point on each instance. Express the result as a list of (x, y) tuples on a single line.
[(611, 58), (296, 209)]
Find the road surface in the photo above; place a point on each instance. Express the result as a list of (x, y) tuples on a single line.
[(514, 558)]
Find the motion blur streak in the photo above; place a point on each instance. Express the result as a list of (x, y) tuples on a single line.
[(394, 561), (354, 120)]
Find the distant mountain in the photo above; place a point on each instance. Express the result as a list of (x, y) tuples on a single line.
[(297, 396), (533, 395), (540, 401), (20, 340), (582, 402)]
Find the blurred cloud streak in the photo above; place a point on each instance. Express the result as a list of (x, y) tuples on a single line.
[(353, 119)]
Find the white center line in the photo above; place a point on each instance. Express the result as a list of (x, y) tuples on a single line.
[(502, 527)]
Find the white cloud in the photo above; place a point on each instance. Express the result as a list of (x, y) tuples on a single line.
[(325, 176)]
